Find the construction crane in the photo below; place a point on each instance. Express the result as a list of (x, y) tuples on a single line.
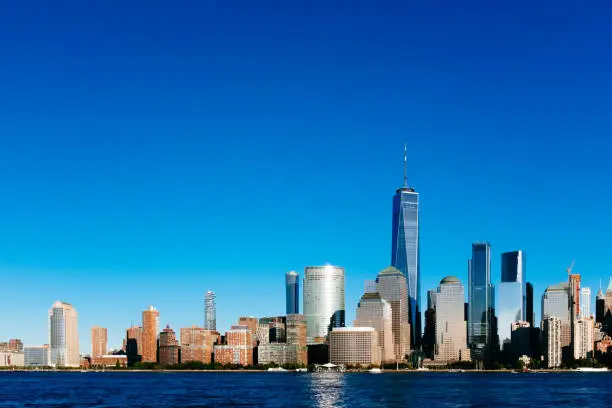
[(569, 270)]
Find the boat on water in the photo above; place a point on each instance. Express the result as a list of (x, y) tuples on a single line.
[(276, 369), (301, 370), (375, 370), (592, 369)]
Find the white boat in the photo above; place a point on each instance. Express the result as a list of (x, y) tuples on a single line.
[(375, 370), (592, 369), (301, 370), (276, 369)]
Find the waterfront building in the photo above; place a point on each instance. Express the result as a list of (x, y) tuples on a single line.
[(374, 311), (296, 336), (529, 315), (111, 360), (405, 251), (551, 327), (511, 295), (450, 328), (15, 345), (238, 349), (133, 345), (429, 334), (292, 291), (555, 303), (391, 285), (11, 359), (150, 332), (210, 310), (583, 338), (354, 346), (585, 302), (168, 347), (251, 323), (481, 313), (64, 335), (323, 300), (521, 339), (99, 341), (197, 344), (37, 356), (280, 354)]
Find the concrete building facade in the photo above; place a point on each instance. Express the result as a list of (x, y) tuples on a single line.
[(354, 346)]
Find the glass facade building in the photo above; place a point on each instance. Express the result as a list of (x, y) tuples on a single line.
[(323, 300), (405, 253), (585, 302), (63, 335), (511, 295), (391, 284), (210, 310), (292, 289), (481, 301)]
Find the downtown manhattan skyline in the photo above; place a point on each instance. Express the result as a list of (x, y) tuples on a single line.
[(147, 165)]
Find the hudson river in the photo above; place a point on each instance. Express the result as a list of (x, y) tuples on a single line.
[(125, 389)]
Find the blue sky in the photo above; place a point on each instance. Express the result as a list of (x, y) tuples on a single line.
[(150, 152)]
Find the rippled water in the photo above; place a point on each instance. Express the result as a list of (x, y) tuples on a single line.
[(125, 389)]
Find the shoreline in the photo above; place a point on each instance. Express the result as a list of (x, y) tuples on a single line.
[(448, 371)]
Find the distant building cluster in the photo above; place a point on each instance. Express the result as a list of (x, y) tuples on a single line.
[(496, 325)]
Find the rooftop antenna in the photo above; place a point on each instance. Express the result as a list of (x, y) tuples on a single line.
[(405, 162)]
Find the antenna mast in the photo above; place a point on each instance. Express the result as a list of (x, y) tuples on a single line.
[(405, 163)]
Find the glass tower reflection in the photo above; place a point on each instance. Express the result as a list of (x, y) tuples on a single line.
[(511, 294), (405, 253), (292, 289)]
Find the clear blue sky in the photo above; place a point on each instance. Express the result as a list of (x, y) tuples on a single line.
[(150, 152)]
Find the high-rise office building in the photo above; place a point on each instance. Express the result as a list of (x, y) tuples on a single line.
[(168, 347), (210, 311), (529, 316), (481, 302), (429, 332), (450, 332), (292, 289), (99, 340), (551, 328), (600, 306), (585, 302), (251, 323), (511, 295), (405, 251), (574, 296), (323, 300), (150, 330), (64, 335), (374, 311), (296, 336), (555, 303), (391, 284)]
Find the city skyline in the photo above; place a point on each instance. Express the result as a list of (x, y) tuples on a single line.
[(142, 166)]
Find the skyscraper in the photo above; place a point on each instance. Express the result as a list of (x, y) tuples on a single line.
[(99, 339), (511, 295), (481, 300), (600, 306), (529, 317), (551, 327), (323, 300), (374, 311), (292, 289), (150, 331), (210, 311), (64, 335), (451, 341), (555, 303), (405, 251), (391, 284), (585, 302)]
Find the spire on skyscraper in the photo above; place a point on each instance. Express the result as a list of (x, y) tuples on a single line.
[(405, 167)]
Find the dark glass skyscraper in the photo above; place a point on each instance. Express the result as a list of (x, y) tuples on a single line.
[(405, 251), (511, 295), (481, 313), (292, 288)]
